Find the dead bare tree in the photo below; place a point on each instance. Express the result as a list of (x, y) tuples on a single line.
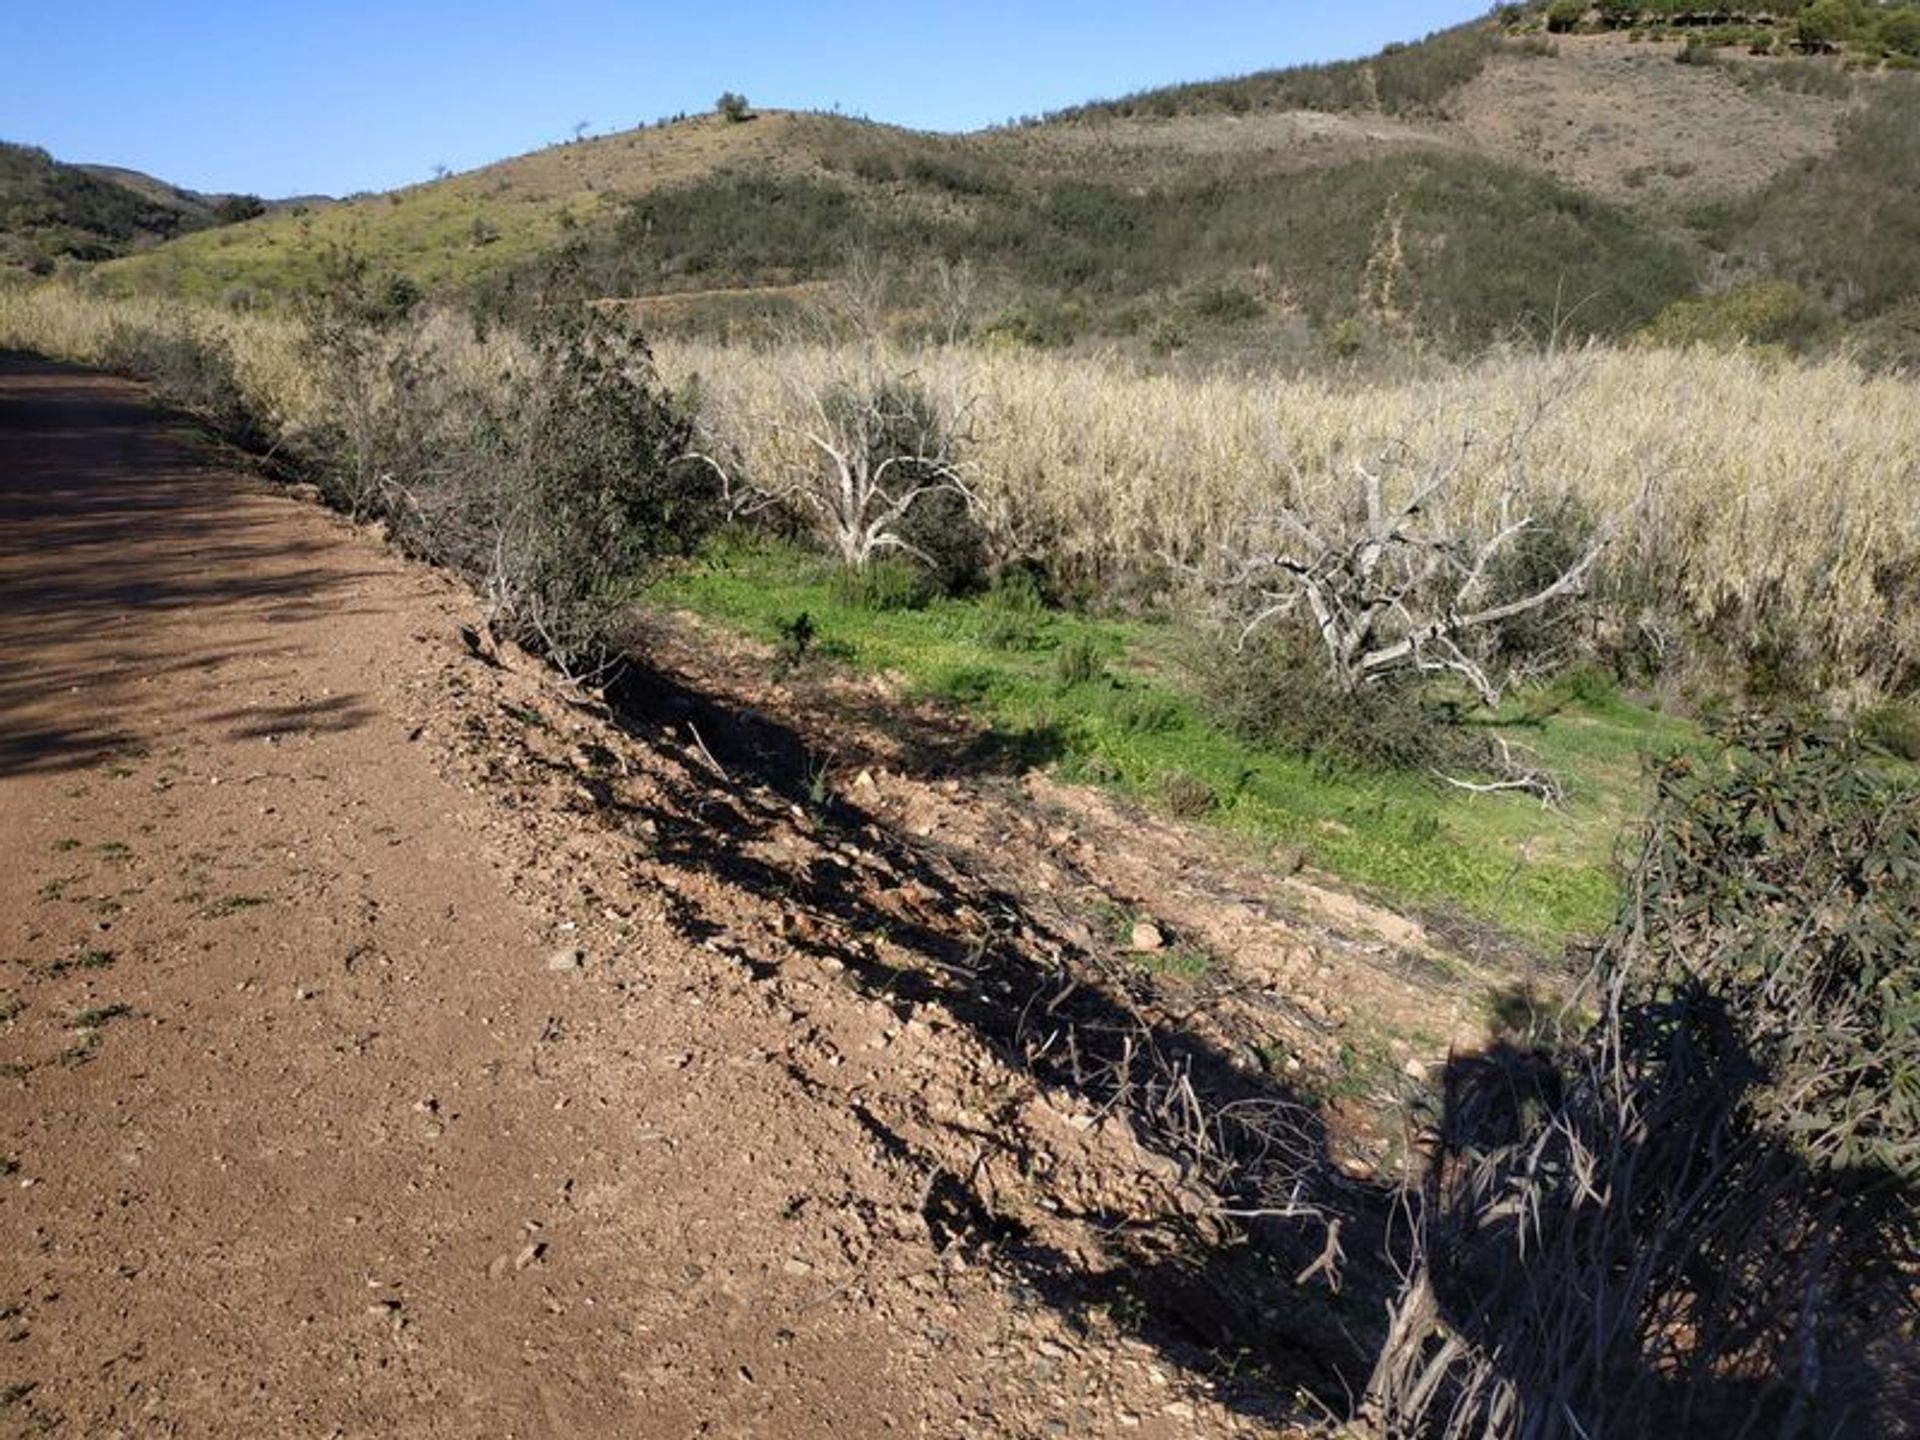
[(1403, 584), (866, 451), (881, 447), (955, 289)]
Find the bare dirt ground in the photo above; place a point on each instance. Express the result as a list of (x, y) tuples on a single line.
[(1621, 118), (395, 1041)]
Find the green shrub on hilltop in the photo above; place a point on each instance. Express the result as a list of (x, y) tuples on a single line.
[(1765, 312)]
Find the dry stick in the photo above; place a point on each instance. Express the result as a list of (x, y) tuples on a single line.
[(707, 754)]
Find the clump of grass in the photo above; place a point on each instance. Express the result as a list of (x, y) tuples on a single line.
[(85, 960), (1180, 962), (1079, 661), (232, 905)]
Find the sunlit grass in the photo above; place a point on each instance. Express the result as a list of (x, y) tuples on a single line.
[(1545, 875)]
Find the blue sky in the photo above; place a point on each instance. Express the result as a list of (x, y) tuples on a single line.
[(350, 95)]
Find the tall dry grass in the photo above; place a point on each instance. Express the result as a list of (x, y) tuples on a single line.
[(1777, 494), (1780, 497)]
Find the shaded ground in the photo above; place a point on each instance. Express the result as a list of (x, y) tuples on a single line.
[(394, 1043)]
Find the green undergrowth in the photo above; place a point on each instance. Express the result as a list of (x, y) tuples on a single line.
[(1107, 701)]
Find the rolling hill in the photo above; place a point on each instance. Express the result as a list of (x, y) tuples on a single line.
[(1492, 181), (53, 213)]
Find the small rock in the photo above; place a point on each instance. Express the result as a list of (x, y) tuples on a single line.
[(865, 786), (797, 1267), (531, 1254), (566, 959), (1147, 936), (1415, 1069)]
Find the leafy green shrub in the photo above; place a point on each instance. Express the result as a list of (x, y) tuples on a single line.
[(1764, 312), (1721, 1177), (941, 527), (1900, 31), (732, 108), (1565, 15), (590, 487), (1785, 880), (1272, 689), (554, 490)]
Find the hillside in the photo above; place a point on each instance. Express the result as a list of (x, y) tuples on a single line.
[(1329, 208), (52, 212)]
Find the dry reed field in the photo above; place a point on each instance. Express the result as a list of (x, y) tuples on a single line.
[(1756, 496)]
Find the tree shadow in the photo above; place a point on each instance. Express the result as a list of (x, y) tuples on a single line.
[(1243, 1297), (1613, 1245), (1218, 1295), (106, 521)]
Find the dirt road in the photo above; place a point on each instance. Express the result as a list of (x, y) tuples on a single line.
[(353, 1086)]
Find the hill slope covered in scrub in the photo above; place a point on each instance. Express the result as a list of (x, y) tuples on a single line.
[(1502, 179), (51, 212)]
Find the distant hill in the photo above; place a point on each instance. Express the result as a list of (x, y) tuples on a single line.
[(53, 212), (1503, 178)]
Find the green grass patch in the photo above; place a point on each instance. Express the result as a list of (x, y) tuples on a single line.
[(1115, 711)]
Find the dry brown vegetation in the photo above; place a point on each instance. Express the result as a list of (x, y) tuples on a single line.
[(1778, 519)]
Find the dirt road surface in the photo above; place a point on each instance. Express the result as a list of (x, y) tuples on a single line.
[(359, 1082)]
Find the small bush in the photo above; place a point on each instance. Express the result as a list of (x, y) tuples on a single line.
[(1187, 795), (1768, 312), (885, 585), (590, 486), (1225, 303), (1146, 712), (1564, 16), (796, 641), (1273, 690), (1564, 529), (554, 489), (940, 525)]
